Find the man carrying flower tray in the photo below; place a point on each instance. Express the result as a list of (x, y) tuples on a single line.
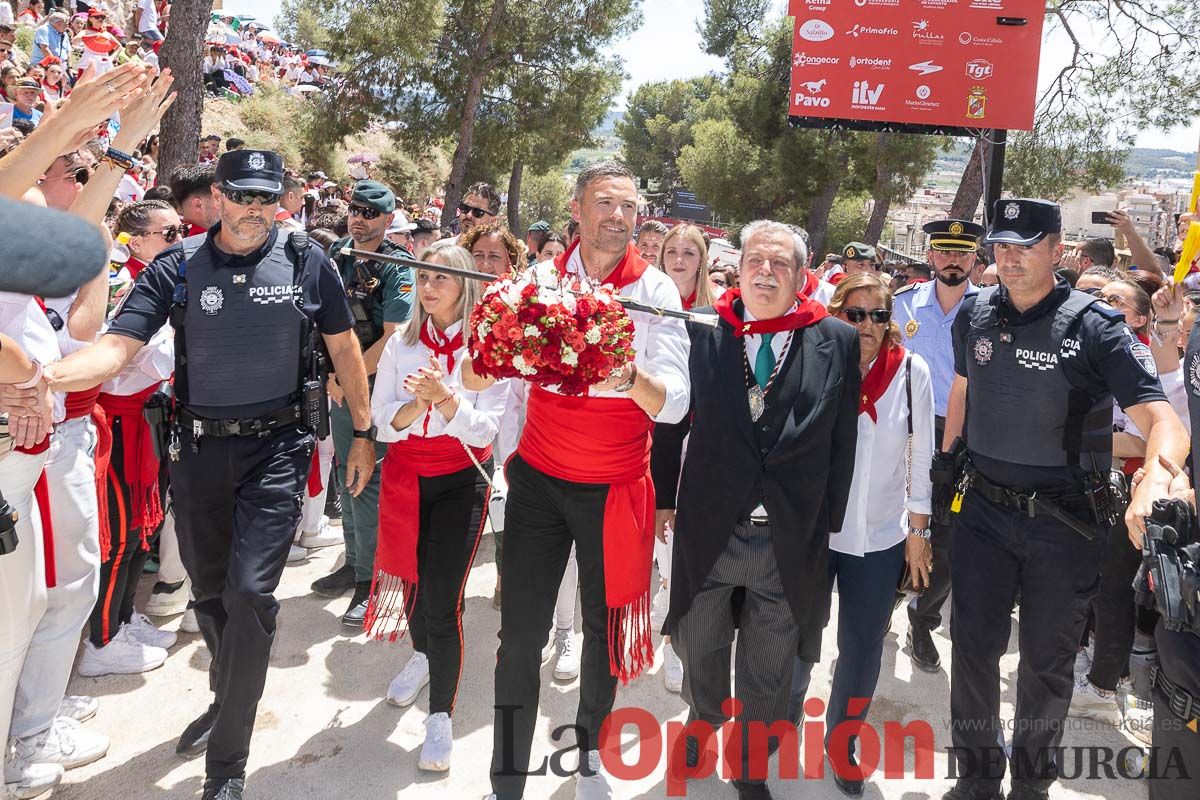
[(581, 474)]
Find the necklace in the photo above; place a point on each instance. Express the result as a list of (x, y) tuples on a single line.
[(755, 394)]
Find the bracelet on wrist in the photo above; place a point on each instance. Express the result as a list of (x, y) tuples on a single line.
[(924, 533), (630, 381), (444, 400), (34, 379), (1161, 321), (118, 158)]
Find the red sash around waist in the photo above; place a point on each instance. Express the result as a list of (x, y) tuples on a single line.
[(606, 440), (393, 585), (80, 404), (139, 471)]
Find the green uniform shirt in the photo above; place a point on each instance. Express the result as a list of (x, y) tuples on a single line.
[(396, 284)]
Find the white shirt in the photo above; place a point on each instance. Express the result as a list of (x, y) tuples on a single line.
[(779, 342), (149, 20), (25, 323), (129, 190), (875, 511), (660, 344), (512, 422), (1175, 388), (153, 364), (477, 419)]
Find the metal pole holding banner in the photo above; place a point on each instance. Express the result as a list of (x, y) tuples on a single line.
[(993, 179), (485, 277)]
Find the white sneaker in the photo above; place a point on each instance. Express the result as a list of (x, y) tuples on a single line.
[(24, 780), (323, 536), (673, 670), (296, 554), (79, 707), (66, 743), (660, 606), (596, 787), (123, 655), (439, 739), (1139, 719), (168, 604), (1083, 663), (144, 631), (407, 685), (188, 624), (566, 668), (1092, 703)]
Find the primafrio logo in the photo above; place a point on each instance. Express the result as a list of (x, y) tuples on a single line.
[(816, 31), (980, 69), (871, 30), (809, 97), (805, 60), (864, 95)]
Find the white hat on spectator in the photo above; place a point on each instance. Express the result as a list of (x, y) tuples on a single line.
[(401, 224)]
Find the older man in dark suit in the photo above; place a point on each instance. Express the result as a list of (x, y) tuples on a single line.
[(766, 478)]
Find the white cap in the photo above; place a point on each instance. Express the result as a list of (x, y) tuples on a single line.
[(401, 224)]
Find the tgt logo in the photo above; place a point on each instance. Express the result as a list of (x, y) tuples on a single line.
[(979, 69)]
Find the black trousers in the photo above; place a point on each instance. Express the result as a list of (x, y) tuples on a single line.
[(1115, 613), (925, 609), (237, 504), (452, 510), (119, 575), (1175, 754), (999, 552), (543, 517)]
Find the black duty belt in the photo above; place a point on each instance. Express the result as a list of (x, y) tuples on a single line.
[(1181, 703), (226, 428), (1033, 504)]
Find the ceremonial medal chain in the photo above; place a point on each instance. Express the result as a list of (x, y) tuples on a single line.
[(755, 394)]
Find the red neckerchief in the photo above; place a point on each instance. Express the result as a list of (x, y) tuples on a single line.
[(1144, 338), (195, 230), (690, 300), (808, 312), (135, 267), (811, 283), (626, 272), (436, 341), (879, 378)]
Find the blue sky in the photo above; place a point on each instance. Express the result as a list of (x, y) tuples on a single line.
[(668, 46)]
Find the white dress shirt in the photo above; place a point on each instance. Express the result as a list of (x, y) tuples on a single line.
[(25, 323), (477, 419), (876, 517), (151, 365), (779, 342), (660, 344)]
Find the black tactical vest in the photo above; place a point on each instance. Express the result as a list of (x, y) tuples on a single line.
[(243, 331), (1191, 374), (1021, 407), (364, 288)]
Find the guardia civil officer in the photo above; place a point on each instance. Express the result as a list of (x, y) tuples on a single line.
[(925, 313), (1038, 367), (244, 300), (380, 296)]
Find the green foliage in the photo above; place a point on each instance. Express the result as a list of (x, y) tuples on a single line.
[(412, 179), (847, 222), (658, 124), (546, 196), (24, 40), (729, 23)]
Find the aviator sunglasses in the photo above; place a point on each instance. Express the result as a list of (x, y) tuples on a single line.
[(364, 212), (244, 197), (878, 315)]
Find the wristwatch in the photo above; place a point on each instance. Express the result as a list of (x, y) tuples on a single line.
[(630, 381), (924, 533), (369, 433)]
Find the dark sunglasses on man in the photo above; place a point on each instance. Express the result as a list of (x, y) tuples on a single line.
[(244, 197), (477, 213), (170, 233), (366, 212), (879, 316)]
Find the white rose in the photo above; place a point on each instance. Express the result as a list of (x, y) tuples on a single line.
[(532, 330), (570, 357), (521, 366), (592, 336)]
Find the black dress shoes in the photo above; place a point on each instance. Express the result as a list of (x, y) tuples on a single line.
[(966, 791), (752, 790), (223, 788), (922, 650), (336, 583), (194, 740), (354, 616), (847, 786)]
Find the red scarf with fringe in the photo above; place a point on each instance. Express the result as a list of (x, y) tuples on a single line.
[(394, 582), (627, 271), (807, 312), (140, 469), (606, 440), (879, 378)]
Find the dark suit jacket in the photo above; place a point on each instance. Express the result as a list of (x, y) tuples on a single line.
[(797, 460)]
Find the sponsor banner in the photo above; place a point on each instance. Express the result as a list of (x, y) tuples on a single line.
[(942, 63)]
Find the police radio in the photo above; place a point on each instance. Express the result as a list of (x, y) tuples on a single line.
[(1169, 578)]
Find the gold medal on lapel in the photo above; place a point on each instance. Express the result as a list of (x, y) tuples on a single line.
[(911, 327)]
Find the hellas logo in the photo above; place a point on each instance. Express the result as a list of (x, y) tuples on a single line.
[(979, 69), (864, 95)]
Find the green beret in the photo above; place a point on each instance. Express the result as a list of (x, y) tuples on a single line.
[(374, 194), (856, 250), (541, 226)]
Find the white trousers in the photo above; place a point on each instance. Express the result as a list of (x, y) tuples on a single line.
[(170, 562), (22, 578), (314, 507), (71, 480), (568, 590)]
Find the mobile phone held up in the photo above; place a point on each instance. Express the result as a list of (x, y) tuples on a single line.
[(1100, 217)]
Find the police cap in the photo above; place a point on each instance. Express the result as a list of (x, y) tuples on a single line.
[(260, 170), (858, 250), (1023, 222), (374, 194), (958, 235)]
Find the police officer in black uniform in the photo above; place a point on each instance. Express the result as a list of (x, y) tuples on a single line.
[(247, 303), (1037, 368)]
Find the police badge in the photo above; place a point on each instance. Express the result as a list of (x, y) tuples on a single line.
[(211, 300), (983, 351), (1193, 372), (911, 327), (1012, 211), (256, 162)]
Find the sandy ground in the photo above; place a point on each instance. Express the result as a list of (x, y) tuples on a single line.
[(324, 731)]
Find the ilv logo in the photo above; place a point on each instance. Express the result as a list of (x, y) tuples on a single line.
[(810, 99), (866, 95)]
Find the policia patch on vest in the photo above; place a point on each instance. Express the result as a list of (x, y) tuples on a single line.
[(1143, 356), (1193, 373)]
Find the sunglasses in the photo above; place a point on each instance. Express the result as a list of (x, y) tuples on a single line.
[(879, 316), (79, 175), (477, 213), (244, 197), (1094, 291), (170, 234), (365, 212), (1114, 300)]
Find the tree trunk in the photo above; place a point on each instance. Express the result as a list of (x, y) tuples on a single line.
[(878, 219), (970, 188), (818, 214), (514, 199), (466, 128), (884, 171), (183, 52)]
